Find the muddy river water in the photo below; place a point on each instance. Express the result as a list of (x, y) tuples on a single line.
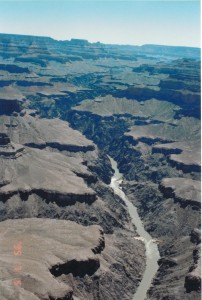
[(151, 248)]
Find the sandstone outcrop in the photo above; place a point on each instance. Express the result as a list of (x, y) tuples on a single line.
[(46, 174), (185, 191), (11, 100), (35, 251)]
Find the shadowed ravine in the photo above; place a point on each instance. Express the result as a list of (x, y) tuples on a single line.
[(152, 253)]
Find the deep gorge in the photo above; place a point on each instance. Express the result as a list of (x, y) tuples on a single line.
[(64, 108)]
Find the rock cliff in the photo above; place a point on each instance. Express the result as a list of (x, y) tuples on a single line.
[(35, 251)]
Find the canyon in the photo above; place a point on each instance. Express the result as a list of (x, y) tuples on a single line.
[(68, 109)]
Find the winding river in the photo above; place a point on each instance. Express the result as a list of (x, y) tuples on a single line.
[(152, 253)]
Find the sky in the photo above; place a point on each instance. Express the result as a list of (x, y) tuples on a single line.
[(164, 22)]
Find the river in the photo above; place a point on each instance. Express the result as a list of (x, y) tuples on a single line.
[(152, 253)]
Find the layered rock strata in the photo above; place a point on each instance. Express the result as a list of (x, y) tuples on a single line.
[(185, 191), (35, 251), (141, 105)]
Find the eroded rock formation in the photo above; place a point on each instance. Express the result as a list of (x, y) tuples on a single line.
[(35, 251)]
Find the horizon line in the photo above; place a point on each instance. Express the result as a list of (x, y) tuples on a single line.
[(74, 38)]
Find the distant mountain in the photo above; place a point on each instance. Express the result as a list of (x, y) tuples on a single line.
[(26, 41)]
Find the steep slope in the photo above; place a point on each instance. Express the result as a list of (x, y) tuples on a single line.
[(39, 250)]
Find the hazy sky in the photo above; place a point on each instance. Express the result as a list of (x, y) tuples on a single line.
[(109, 21)]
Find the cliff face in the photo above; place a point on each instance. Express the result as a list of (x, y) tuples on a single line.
[(140, 108), (193, 278), (46, 174), (39, 249)]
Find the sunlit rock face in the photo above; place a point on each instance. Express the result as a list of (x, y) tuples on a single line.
[(35, 252)]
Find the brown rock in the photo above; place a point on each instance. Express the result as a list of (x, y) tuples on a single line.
[(186, 191), (32, 249)]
